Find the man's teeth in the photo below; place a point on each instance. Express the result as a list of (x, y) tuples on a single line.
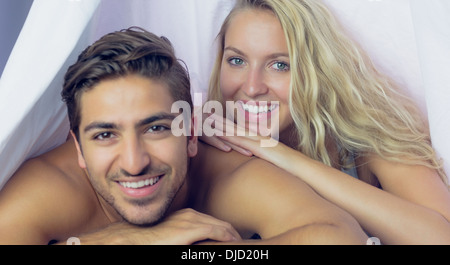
[(258, 109), (139, 184)]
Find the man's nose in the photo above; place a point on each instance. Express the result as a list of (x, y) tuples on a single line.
[(134, 158)]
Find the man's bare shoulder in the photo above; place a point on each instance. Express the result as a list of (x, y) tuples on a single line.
[(226, 165), (47, 196), (214, 163), (58, 167), (256, 196)]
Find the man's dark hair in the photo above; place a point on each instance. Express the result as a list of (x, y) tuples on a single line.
[(122, 53)]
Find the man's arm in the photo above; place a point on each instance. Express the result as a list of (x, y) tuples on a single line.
[(258, 197), (184, 227)]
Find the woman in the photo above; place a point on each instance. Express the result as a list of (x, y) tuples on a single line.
[(335, 112)]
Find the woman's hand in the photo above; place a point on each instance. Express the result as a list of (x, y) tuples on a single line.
[(225, 135)]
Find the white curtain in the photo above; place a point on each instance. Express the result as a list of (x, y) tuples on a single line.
[(408, 39)]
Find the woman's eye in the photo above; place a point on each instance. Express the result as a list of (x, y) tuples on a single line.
[(280, 66), (236, 61)]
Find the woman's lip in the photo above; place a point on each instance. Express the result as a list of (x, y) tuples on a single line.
[(258, 103), (258, 107), (256, 112)]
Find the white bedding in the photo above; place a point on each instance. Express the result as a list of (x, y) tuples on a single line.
[(408, 39)]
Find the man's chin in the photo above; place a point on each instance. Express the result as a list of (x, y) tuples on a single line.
[(143, 223), (143, 216)]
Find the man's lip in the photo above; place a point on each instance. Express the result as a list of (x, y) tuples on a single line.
[(137, 179), (140, 187)]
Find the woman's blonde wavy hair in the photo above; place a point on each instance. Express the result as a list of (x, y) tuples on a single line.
[(337, 92)]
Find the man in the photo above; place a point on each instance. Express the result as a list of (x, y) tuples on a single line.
[(137, 183)]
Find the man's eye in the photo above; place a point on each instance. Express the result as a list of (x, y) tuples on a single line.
[(103, 136), (157, 128)]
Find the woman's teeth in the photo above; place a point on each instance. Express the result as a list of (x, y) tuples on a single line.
[(258, 109)]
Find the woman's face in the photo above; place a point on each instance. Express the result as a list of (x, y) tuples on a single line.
[(255, 71)]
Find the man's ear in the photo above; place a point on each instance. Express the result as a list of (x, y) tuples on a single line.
[(81, 161), (192, 147)]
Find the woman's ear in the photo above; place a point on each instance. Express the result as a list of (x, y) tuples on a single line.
[(81, 161)]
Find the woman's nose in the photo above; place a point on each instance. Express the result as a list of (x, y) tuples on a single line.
[(254, 84)]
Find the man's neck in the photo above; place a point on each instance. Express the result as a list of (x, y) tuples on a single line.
[(110, 213), (195, 180)]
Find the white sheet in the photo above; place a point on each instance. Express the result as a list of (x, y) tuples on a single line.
[(32, 115), (408, 39), (432, 27)]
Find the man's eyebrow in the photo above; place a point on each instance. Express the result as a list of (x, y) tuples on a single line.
[(156, 117), (143, 122), (100, 125)]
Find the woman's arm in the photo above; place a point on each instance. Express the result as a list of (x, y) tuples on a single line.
[(412, 208)]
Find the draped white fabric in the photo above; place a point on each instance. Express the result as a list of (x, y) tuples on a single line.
[(407, 39)]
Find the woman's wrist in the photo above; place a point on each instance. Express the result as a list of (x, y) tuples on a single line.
[(280, 155)]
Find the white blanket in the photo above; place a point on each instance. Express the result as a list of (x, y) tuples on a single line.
[(408, 39)]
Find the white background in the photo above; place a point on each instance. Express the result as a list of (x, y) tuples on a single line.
[(407, 39)]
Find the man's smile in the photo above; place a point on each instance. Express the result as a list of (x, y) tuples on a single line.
[(140, 188)]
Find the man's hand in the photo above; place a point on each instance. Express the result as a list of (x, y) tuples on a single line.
[(183, 227)]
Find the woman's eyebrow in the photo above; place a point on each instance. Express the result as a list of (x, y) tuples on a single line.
[(270, 56), (278, 55), (233, 49)]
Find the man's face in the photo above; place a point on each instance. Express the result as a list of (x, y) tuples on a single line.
[(133, 160)]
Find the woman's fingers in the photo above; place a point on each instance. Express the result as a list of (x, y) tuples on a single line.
[(225, 135), (233, 146), (216, 142)]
